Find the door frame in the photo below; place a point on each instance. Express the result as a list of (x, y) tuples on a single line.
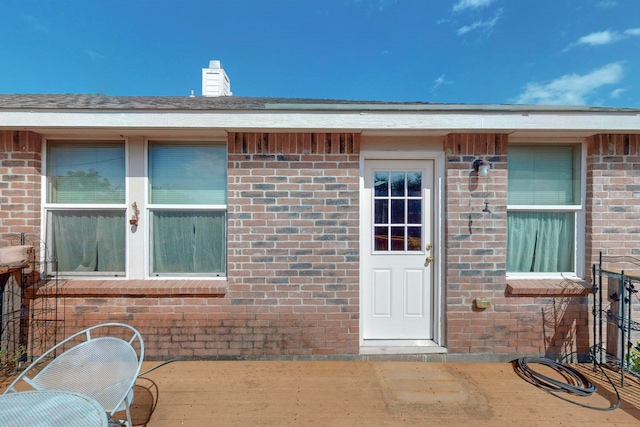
[(437, 344)]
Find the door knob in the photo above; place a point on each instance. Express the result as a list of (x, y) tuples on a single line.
[(429, 260), (428, 247)]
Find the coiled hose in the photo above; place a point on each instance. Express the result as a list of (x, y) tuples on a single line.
[(575, 382)]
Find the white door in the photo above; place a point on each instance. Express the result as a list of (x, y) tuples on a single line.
[(398, 266)]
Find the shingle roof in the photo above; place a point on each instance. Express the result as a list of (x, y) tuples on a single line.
[(176, 103)]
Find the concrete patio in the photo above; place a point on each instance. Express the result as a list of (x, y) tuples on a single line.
[(354, 393)]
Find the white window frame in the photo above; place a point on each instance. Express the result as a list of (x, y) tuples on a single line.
[(579, 211), (46, 252), (149, 207)]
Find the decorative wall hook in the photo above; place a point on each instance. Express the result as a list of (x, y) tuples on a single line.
[(136, 214)]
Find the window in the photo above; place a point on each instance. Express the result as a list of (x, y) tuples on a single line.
[(397, 201), (182, 197), (544, 208), (187, 202), (86, 209)]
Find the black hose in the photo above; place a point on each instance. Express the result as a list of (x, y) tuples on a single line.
[(576, 383)]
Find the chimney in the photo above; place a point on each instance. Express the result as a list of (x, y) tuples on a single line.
[(215, 81)]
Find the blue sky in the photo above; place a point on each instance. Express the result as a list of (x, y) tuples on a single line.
[(570, 52)]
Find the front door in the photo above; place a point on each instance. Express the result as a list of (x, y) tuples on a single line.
[(397, 260)]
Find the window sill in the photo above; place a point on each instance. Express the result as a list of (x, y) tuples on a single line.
[(548, 287), (142, 288)]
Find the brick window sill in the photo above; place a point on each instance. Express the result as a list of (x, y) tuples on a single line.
[(142, 288), (548, 287)]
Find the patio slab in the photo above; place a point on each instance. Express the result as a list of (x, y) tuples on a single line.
[(355, 393)]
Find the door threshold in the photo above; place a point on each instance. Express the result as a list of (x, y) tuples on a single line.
[(401, 347)]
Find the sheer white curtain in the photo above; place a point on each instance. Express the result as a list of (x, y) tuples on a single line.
[(540, 241), (89, 241), (188, 242)]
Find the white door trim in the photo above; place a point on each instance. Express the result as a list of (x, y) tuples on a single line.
[(436, 345)]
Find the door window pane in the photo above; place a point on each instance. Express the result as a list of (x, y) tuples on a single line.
[(397, 184), (414, 184), (381, 180), (401, 207)]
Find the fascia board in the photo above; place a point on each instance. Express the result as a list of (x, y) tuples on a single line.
[(503, 122)]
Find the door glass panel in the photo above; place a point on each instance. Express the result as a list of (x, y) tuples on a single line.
[(381, 211), (381, 180), (381, 239), (414, 211), (397, 211), (414, 239), (397, 238), (414, 184), (398, 202), (397, 184)]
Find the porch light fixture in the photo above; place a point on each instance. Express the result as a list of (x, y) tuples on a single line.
[(481, 167)]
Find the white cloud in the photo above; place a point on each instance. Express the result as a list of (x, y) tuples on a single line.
[(481, 25), (601, 38), (571, 89), (93, 54), (617, 92), (471, 4), (441, 80), (607, 3)]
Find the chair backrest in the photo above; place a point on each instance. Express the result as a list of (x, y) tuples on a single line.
[(104, 367)]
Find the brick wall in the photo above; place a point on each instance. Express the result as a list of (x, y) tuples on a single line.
[(476, 266), (20, 167), (294, 239), (476, 246), (613, 196), (613, 212)]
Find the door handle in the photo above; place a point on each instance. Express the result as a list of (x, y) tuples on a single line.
[(429, 260)]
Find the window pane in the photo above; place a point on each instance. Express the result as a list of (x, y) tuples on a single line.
[(415, 211), (540, 241), (397, 211), (414, 240), (188, 242), (544, 175), (397, 238), (187, 174), (382, 211), (88, 241), (381, 180), (414, 184), (397, 184), (89, 173), (381, 240)]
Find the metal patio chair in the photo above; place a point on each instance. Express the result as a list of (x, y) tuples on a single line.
[(95, 361)]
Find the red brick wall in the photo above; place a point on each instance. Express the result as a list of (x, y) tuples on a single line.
[(613, 212), (613, 196), (476, 266), (20, 167)]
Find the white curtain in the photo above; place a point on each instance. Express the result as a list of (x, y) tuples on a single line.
[(540, 241), (188, 242), (89, 241)]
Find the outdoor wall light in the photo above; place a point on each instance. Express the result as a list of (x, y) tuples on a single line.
[(481, 167)]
